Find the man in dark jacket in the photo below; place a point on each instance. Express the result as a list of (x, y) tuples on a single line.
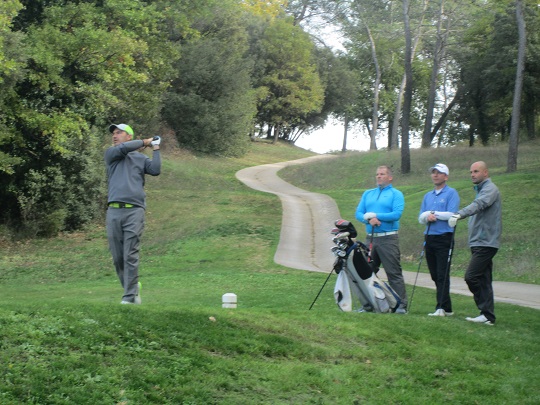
[(485, 228), (126, 170)]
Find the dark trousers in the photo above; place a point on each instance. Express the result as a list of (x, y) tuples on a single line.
[(438, 257), (479, 277)]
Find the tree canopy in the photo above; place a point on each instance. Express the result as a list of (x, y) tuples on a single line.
[(219, 73)]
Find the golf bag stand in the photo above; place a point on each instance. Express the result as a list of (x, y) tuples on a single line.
[(357, 283)]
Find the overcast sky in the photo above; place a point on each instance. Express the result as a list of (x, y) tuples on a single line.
[(330, 139)]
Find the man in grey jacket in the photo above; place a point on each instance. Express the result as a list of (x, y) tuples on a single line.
[(126, 168), (485, 228)]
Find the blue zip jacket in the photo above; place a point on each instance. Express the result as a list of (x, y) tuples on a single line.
[(388, 203)]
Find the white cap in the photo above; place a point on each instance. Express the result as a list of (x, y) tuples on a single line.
[(441, 168)]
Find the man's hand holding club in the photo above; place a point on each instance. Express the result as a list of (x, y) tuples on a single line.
[(155, 141), (371, 218)]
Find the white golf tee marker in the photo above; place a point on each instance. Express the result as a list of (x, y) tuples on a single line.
[(229, 300)]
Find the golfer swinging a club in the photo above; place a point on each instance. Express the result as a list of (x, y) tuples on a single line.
[(126, 170)]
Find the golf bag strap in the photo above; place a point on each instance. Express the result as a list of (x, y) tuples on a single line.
[(362, 246), (351, 249)]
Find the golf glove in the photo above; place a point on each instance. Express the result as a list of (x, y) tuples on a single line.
[(452, 222), (423, 217), (369, 215), (156, 141)]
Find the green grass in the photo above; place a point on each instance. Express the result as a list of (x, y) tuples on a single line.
[(64, 338)]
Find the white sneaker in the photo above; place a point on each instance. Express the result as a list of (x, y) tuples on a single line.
[(480, 319), (441, 312), (127, 303)]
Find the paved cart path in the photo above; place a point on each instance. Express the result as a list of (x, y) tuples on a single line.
[(305, 239)]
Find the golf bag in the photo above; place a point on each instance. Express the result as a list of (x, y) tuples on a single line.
[(357, 283)]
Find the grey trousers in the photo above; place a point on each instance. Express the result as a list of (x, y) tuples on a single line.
[(385, 250), (124, 230)]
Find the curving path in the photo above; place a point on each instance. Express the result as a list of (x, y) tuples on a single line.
[(307, 218), (305, 239)]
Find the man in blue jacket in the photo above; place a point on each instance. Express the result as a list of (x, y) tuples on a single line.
[(485, 229), (380, 209), (126, 170), (437, 207)]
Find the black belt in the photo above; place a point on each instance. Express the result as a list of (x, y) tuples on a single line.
[(122, 205)]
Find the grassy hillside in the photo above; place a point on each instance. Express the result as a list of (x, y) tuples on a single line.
[(64, 338), (518, 259)]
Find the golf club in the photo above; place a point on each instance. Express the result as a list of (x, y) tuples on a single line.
[(449, 262), (320, 291), (369, 259), (409, 306)]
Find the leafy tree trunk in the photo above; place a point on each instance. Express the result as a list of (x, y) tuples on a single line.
[(366, 123), (276, 133), (405, 151), (471, 135), (390, 131), (480, 126), (529, 108), (375, 112), (345, 130), (393, 142), (438, 54), (516, 108), (445, 113)]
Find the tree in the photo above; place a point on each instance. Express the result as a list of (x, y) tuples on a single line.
[(87, 65), (339, 81), (405, 151), (393, 138), (488, 71), (438, 54), (376, 85), (369, 28), (289, 88), (211, 105), (264, 8), (12, 60), (516, 108), (342, 82)]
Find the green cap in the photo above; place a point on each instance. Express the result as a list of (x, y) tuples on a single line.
[(122, 127)]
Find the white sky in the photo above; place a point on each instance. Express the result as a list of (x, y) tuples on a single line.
[(330, 139)]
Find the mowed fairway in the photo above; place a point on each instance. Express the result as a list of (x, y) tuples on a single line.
[(66, 340)]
